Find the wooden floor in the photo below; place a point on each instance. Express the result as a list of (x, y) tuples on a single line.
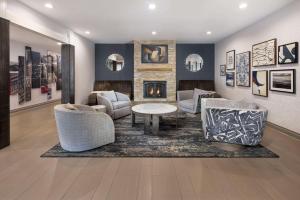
[(24, 175)]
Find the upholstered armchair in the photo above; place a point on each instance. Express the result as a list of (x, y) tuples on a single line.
[(117, 104), (81, 128), (235, 122), (190, 100)]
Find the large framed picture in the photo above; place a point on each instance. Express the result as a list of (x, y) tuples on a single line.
[(222, 70), (154, 53), (230, 79), (230, 60), (260, 83), (243, 69), (288, 53), (264, 53), (283, 80)]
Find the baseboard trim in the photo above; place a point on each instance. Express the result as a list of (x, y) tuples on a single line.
[(35, 106), (284, 130)]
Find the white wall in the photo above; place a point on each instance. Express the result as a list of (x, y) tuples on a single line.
[(284, 109), (25, 16)]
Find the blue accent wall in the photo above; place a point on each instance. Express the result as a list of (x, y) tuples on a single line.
[(102, 51), (206, 51)]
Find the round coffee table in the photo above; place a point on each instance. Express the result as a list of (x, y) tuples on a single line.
[(152, 113)]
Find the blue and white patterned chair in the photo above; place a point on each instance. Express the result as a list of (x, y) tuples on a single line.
[(234, 122)]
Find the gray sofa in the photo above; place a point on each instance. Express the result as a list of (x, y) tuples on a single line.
[(81, 128), (190, 100), (235, 122), (117, 104)]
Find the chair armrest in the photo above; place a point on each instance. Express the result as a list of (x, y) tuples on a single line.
[(122, 97), (102, 100), (185, 95)]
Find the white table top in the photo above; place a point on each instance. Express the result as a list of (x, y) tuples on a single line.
[(154, 108)]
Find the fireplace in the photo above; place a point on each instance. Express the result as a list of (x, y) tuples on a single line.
[(155, 89)]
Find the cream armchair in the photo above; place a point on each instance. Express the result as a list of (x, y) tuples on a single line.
[(81, 128)]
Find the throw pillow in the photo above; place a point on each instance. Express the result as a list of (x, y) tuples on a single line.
[(111, 95)]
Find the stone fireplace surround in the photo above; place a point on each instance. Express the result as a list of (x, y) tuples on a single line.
[(155, 72)]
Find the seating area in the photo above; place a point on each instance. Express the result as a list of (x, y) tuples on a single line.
[(149, 100)]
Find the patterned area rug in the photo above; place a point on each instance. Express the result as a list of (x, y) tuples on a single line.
[(186, 141)]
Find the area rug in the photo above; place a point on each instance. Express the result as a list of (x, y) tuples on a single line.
[(186, 141)]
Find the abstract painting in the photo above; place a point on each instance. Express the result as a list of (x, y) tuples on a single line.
[(28, 73), (288, 53), (13, 78), (194, 62), (230, 79), (154, 53), (21, 80), (55, 62), (44, 79), (222, 70), (260, 83), (283, 80), (36, 69), (243, 69), (264, 54), (230, 60)]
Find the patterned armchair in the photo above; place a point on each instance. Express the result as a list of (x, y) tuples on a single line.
[(233, 122)]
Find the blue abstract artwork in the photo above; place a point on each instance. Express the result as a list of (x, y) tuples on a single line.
[(243, 69)]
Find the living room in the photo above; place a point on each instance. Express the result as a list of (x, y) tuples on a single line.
[(149, 99)]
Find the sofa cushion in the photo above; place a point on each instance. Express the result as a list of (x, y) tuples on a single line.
[(111, 95), (70, 106), (120, 104), (203, 93), (188, 104)]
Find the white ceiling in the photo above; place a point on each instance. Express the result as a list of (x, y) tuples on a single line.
[(120, 21)]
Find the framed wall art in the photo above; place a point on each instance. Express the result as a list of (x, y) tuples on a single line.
[(283, 80), (288, 53), (243, 69), (230, 79), (154, 53), (230, 60), (260, 83), (264, 53), (222, 70)]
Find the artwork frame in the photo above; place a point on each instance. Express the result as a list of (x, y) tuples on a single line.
[(222, 70), (260, 83), (230, 79), (264, 53), (284, 49), (230, 60), (149, 54), (194, 62), (289, 84), (243, 69)]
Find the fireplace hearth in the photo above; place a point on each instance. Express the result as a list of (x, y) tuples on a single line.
[(155, 89)]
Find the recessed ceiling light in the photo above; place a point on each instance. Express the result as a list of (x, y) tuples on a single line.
[(154, 32), (59, 43), (48, 5), (87, 32), (243, 6), (152, 6), (208, 33)]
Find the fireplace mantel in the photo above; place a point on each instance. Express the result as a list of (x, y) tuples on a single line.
[(151, 68)]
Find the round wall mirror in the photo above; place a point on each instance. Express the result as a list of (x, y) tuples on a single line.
[(194, 62), (115, 62)]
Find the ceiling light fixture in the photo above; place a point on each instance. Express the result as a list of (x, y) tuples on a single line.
[(154, 32), (243, 6), (152, 6), (87, 32), (48, 5), (208, 33)]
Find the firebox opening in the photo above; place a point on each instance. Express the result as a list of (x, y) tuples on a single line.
[(155, 89)]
